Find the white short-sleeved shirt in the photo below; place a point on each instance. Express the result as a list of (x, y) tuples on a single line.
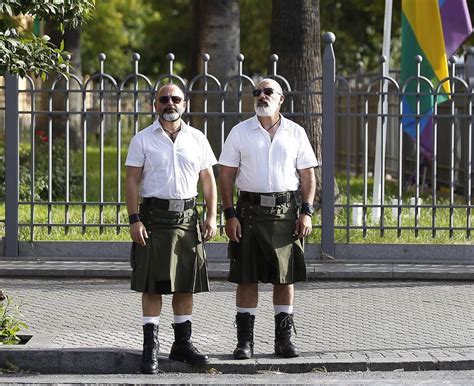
[(267, 165), (170, 170)]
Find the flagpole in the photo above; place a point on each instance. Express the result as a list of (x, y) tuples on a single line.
[(379, 147)]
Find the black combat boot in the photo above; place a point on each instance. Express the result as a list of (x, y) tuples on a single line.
[(245, 323), (183, 349), (283, 345), (150, 349)]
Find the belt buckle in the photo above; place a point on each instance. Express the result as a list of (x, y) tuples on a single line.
[(268, 201), (176, 205)]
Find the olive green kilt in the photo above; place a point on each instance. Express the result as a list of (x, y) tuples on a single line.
[(173, 259), (267, 252)]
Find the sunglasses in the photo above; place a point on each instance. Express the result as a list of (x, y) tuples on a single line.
[(165, 99), (267, 91)]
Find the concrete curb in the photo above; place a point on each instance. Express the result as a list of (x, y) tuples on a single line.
[(122, 361), (217, 251), (219, 270)]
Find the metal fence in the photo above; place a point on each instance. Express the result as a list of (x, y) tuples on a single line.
[(66, 142)]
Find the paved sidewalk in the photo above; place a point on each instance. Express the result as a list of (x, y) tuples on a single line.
[(218, 269), (94, 326)]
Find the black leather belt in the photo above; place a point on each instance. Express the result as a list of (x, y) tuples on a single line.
[(267, 199), (171, 205)]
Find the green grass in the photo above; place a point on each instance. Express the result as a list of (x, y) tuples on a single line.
[(114, 233), (407, 218), (110, 187)]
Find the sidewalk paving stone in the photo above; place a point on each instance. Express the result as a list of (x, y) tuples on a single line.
[(341, 325)]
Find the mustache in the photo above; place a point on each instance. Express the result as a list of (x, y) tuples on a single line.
[(170, 109), (262, 103)]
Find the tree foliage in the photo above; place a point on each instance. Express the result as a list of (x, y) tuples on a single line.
[(116, 30), (358, 26), (22, 52), (255, 22), (151, 28), (155, 28), (169, 31)]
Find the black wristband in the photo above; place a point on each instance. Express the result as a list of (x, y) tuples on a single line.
[(229, 213), (307, 208), (133, 218)]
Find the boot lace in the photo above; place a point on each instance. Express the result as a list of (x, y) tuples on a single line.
[(245, 330), (288, 321), (190, 346)]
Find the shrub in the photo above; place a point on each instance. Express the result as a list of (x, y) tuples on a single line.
[(10, 320), (41, 171)]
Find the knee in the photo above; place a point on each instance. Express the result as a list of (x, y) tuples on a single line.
[(283, 289), (150, 297), (182, 298), (247, 288)]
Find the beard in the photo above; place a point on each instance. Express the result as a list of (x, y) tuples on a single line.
[(264, 109), (171, 115)]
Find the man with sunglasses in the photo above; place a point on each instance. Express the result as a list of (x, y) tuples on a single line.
[(164, 164), (269, 158)]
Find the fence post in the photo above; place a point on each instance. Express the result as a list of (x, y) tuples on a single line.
[(328, 145), (11, 165)]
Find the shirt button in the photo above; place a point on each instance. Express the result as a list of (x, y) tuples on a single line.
[(251, 206), (250, 226), (250, 217)]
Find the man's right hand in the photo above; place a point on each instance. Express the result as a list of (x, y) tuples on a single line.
[(233, 229), (138, 233)]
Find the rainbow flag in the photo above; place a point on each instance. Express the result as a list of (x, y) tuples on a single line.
[(434, 29)]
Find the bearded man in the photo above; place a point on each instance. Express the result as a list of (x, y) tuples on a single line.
[(164, 164), (269, 158)]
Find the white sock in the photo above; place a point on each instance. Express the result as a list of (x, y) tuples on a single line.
[(151, 320), (286, 308), (181, 318), (243, 310)]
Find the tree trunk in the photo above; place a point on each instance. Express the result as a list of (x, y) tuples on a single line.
[(216, 31), (295, 38), (72, 39)]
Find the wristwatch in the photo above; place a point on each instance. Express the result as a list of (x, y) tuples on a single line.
[(307, 208)]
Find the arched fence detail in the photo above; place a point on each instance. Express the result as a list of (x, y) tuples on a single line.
[(66, 142)]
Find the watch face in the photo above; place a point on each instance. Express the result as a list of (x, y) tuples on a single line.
[(307, 208)]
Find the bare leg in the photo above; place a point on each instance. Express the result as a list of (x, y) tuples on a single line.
[(283, 294), (182, 304), (247, 295), (151, 304)]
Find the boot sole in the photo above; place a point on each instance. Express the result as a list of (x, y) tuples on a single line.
[(287, 356), (149, 371), (178, 359), (243, 356), (280, 354)]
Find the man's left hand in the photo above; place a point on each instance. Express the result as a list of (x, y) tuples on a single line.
[(209, 228), (303, 226)]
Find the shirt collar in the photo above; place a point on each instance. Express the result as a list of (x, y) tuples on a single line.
[(157, 125), (256, 123)]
